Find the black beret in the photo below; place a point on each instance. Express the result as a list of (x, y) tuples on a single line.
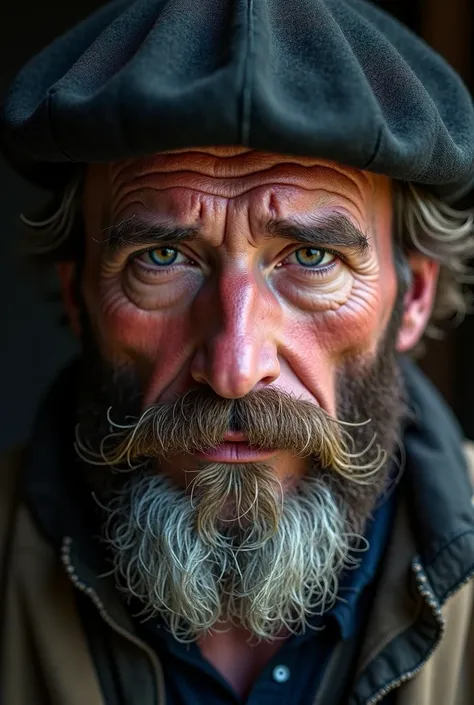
[(336, 79)]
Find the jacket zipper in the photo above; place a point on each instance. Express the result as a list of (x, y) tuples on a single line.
[(429, 597), (93, 596)]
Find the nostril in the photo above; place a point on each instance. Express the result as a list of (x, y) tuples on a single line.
[(269, 379)]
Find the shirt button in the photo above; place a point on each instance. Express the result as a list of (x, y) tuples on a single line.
[(281, 674)]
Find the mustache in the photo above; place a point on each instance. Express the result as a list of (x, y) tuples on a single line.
[(269, 418)]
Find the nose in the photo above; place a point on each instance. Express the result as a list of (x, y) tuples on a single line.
[(239, 321)]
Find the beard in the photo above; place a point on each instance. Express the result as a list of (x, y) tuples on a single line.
[(232, 547)]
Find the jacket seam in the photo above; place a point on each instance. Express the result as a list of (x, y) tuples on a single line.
[(403, 678), (467, 577), (80, 585), (445, 546)]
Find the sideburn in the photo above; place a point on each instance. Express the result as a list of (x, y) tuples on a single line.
[(374, 391)]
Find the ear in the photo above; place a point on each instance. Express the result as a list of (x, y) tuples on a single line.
[(418, 301), (67, 273)]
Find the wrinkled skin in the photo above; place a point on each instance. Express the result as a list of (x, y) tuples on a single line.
[(238, 311)]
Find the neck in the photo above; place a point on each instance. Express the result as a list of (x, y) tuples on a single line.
[(237, 656)]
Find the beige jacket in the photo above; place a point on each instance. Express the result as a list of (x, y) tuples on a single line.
[(46, 660)]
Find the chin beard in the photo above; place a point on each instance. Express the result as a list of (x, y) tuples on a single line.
[(233, 549), (270, 563)]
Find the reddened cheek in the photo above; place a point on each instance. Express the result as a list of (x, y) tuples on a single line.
[(353, 328), (125, 330), (148, 338)]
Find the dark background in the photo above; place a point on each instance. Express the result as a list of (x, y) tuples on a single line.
[(32, 343)]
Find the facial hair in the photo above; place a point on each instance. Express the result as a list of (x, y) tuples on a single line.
[(275, 560)]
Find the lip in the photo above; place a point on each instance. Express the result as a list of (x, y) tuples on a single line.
[(235, 452), (235, 437)]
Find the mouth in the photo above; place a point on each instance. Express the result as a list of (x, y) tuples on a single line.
[(235, 449)]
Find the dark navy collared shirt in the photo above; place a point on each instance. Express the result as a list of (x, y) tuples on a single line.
[(293, 675)]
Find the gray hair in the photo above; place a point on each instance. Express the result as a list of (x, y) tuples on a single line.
[(426, 224), (421, 223), (264, 582)]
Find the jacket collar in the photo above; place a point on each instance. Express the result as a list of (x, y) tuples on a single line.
[(55, 492), (438, 487), (431, 551)]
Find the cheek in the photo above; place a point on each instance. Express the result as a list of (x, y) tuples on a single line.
[(316, 345), (154, 342), (352, 328), (356, 327)]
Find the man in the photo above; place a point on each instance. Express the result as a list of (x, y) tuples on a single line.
[(243, 490)]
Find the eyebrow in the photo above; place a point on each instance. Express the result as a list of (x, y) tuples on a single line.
[(133, 232), (336, 230)]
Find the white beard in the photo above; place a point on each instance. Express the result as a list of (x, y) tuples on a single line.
[(256, 577)]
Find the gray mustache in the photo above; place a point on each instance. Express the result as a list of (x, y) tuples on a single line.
[(269, 418)]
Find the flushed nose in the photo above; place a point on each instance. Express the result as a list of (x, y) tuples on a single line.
[(238, 350)]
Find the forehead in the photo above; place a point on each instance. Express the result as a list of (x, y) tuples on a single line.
[(176, 184)]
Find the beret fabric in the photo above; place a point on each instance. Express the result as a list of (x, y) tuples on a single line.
[(336, 79)]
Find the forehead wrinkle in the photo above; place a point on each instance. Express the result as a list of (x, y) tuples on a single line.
[(117, 218), (218, 166), (121, 204), (354, 178), (116, 186), (229, 154), (224, 152), (227, 188), (313, 214), (375, 214), (137, 173)]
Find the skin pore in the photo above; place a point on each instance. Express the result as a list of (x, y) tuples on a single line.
[(262, 286)]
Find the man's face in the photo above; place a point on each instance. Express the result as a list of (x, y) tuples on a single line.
[(248, 304), (251, 291)]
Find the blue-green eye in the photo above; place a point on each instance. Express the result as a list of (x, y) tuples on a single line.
[(162, 256), (311, 257)]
